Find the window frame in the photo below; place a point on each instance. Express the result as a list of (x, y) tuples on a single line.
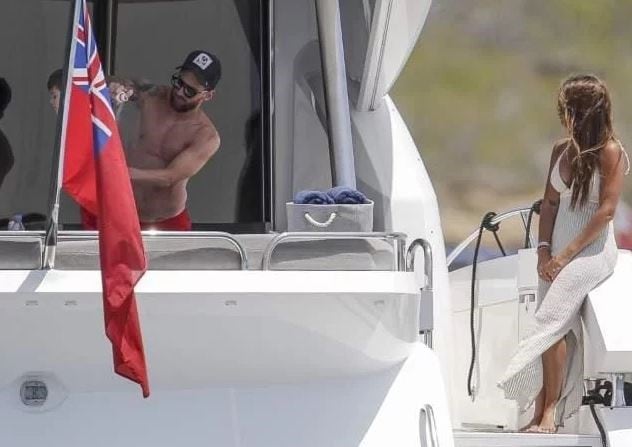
[(105, 17)]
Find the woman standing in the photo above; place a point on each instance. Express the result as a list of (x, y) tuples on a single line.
[(576, 252)]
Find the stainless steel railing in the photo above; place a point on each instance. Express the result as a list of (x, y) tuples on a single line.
[(180, 235), (410, 259), (430, 425), (426, 299), (522, 212)]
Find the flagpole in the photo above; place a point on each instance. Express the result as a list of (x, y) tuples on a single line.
[(53, 227)]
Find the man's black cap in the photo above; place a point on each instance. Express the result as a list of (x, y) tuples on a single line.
[(205, 66)]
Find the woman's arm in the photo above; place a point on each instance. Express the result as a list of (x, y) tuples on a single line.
[(612, 172), (548, 213)]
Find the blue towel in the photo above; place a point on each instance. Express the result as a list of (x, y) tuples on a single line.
[(313, 198), (346, 195), (15, 224)]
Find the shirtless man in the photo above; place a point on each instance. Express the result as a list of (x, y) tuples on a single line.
[(175, 141)]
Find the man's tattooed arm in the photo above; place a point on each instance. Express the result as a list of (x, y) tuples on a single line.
[(134, 90)]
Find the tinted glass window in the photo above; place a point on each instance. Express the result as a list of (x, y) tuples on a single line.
[(32, 46), (152, 39)]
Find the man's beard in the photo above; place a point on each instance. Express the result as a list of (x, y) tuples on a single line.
[(179, 106)]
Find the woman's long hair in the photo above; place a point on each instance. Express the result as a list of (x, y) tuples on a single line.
[(585, 110)]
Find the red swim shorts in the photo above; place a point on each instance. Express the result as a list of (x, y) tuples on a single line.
[(180, 222)]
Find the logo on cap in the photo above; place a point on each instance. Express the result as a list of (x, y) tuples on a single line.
[(203, 61)]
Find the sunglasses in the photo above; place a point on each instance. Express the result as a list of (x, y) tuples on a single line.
[(190, 92)]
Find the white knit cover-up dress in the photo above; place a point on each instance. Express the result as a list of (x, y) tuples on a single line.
[(558, 314)]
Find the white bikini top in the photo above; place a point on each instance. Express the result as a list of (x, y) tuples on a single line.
[(593, 192)]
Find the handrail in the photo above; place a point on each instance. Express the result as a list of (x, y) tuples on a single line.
[(398, 238), (174, 234), (431, 423), (410, 260), (22, 233), (495, 220), (426, 299)]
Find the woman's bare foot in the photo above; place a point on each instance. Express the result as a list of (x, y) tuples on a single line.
[(547, 423), (533, 425)]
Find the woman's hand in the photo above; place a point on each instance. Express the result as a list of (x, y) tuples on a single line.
[(544, 256), (554, 267)]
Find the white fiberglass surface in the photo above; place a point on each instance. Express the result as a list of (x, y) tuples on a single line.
[(496, 320), (371, 410), (247, 327), (235, 358), (607, 321)]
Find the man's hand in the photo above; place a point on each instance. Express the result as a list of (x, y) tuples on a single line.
[(120, 92), (132, 90)]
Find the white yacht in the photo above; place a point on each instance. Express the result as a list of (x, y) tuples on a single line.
[(257, 335)]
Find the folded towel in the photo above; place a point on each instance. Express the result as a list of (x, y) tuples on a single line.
[(346, 195), (313, 198), (15, 223)]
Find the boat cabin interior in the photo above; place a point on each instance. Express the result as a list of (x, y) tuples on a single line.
[(232, 191)]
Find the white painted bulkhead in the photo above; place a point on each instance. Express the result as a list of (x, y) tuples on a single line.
[(235, 358)]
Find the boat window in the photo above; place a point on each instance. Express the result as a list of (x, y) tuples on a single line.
[(149, 40), (33, 45)]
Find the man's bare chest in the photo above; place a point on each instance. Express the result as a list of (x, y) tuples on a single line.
[(163, 138)]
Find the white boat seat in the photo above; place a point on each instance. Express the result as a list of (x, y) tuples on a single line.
[(175, 253), (333, 255), (20, 253), (169, 253)]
